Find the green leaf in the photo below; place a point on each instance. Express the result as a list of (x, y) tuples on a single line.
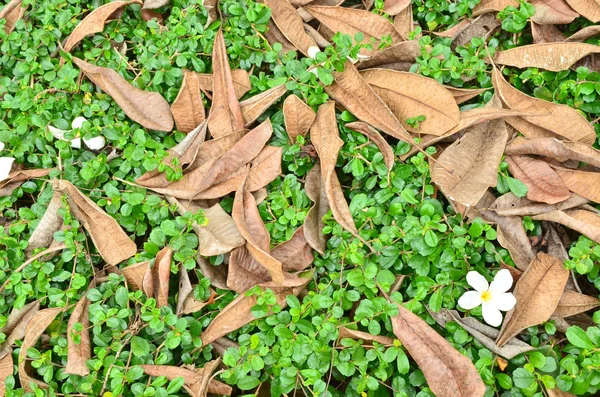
[(517, 187), (139, 347), (523, 378), (248, 383), (579, 338)]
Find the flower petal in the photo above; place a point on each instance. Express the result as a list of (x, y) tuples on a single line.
[(477, 281), (78, 122), (57, 132), (491, 314), (504, 301), (502, 281), (1, 146), (76, 143), (313, 51), (5, 166), (470, 300)]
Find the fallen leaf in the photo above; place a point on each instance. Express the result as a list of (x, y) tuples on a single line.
[(354, 334), (225, 115), (139, 276), (556, 392), (374, 136), (290, 24), (212, 7), (538, 292), (545, 33), (94, 22), (399, 56), (555, 57), (6, 369), (240, 77), (295, 254), (572, 303), (483, 27), (395, 7), (79, 353), (237, 313), (543, 184), (483, 333), (409, 95), (244, 272), (36, 327), (51, 221), (161, 273), (185, 288), (313, 223), (462, 95), (147, 108), (454, 30), (216, 274), (254, 106), (197, 382), (553, 148), (298, 117), (17, 322), (448, 373), (188, 109), (274, 35), (585, 184), (12, 13), (511, 205), (110, 240), (351, 21), (153, 4), (18, 177), (551, 118), (552, 12), (589, 9), (584, 34), (486, 6), (582, 221)]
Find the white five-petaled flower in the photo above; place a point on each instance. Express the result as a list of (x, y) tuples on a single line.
[(95, 143), (5, 164), (493, 297)]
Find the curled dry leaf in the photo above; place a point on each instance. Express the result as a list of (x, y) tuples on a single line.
[(290, 24), (572, 303), (237, 313), (254, 106), (550, 56), (16, 324), (556, 392), (225, 115), (545, 33), (12, 12), (542, 183), (379, 141), (404, 23), (295, 254), (538, 292), (196, 382), (553, 148), (188, 109), (274, 35), (244, 272), (149, 109), (43, 234), (582, 221), (395, 7), (399, 56), (589, 9), (585, 184), (462, 95), (185, 288), (483, 27), (36, 327), (216, 274), (511, 205), (584, 34), (240, 77), (79, 352), (408, 95), (152, 4), (345, 332), (94, 22), (17, 177), (550, 119), (212, 7), (486, 6), (448, 373), (298, 117), (313, 223), (6, 369), (552, 12), (153, 281), (110, 240), (139, 276)]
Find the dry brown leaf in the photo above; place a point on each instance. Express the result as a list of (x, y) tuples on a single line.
[(409, 95), (295, 254), (212, 7), (244, 272), (553, 148), (550, 118), (395, 7), (354, 334), (543, 184), (462, 95), (545, 33), (584, 34), (110, 240), (538, 292), (404, 23), (147, 108), (351, 21), (17, 177), (379, 141), (550, 56), (454, 30), (585, 184), (237, 313), (185, 288), (486, 6), (6, 369), (587, 8), (483, 27), (556, 392), (35, 329), (188, 109), (313, 223), (153, 4), (197, 382), (254, 106), (511, 205), (402, 55), (79, 353), (483, 333), (274, 35), (225, 115), (137, 276), (572, 303), (251, 227), (43, 234), (12, 12), (94, 22), (552, 12), (240, 77), (448, 373), (16, 324), (582, 221), (290, 24), (161, 273), (216, 274), (298, 117)]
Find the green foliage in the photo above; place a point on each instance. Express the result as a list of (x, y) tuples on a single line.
[(515, 19)]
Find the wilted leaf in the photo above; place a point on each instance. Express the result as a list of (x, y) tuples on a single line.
[(584, 34), (185, 288), (290, 24), (43, 234), (553, 148), (538, 292), (542, 183), (94, 22), (188, 109), (139, 276), (295, 254), (254, 106), (152, 4), (12, 12), (110, 240), (238, 312), (486, 6), (149, 109), (589, 9), (395, 7), (550, 118), (298, 117), (552, 12), (399, 56), (556, 392), (6, 369), (464, 94), (572, 303), (79, 351), (225, 115), (313, 223), (17, 177), (244, 272), (585, 184), (448, 373), (153, 281), (16, 324), (345, 332), (379, 141), (511, 205), (550, 56), (584, 222)]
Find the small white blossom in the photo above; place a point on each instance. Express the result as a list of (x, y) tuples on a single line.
[(493, 297), (5, 164), (95, 143), (313, 51)]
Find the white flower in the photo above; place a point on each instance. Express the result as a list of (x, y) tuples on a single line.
[(492, 297), (95, 143), (5, 164), (313, 51)]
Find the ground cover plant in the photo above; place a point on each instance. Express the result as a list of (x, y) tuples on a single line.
[(299, 197)]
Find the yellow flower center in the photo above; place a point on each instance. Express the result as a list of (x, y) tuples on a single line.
[(486, 296)]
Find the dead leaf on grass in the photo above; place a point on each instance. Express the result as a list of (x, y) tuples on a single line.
[(18, 177), (313, 223), (153, 281), (374, 136), (79, 351), (555, 149), (188, 109), (552, 12), (582, 221), (354, 334), (298, 117), (290, 24), (12, 12), (295, 254), (255, 106), (589, 9), (486, 6), (543, 184), (555, 56), (585, 184), (511, 205), (572, 303)]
